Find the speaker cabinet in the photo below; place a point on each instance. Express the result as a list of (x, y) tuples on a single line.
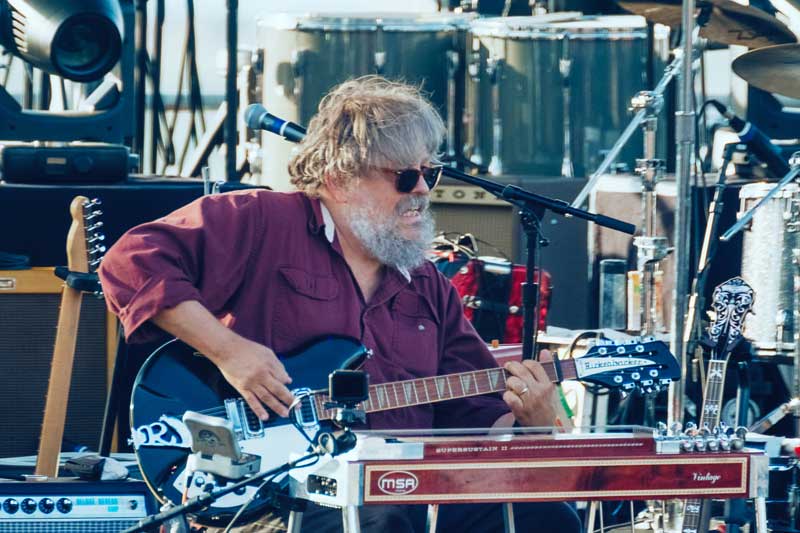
[(29, 306), (463, 208)]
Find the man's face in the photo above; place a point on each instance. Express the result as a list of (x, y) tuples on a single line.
[(395, 227)]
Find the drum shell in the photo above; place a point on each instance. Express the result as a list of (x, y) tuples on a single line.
[(608, 66), (306, 58), (767, 265)]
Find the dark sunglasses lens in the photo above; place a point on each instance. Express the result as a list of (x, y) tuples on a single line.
[(407, 179), (431, 176)]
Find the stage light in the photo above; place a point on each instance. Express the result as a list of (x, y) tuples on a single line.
[(80, 40)]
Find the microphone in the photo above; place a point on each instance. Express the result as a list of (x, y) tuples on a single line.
[(758, 143), (257, 118)]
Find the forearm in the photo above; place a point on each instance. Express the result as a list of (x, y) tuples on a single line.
[(192, 323)]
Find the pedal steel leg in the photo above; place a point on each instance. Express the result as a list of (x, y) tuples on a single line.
[(433, 517), (295, 522), (760, 504), (508, 518), (590, 512), (350, 522)]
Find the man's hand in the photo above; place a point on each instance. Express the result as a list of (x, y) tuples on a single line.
[(256, 372), (529, 392), (253, 369)]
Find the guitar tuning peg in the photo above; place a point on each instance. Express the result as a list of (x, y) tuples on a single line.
[(99, 295), (95, 201), (96, 226), (96, 238), (94, 214)]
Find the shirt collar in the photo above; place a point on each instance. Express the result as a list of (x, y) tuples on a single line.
[(330, 234)]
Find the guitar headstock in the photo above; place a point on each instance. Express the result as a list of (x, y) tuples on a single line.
[(85, 246), (732, 300), (93, 232), (645, 365)]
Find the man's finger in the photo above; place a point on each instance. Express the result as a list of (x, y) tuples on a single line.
[(255, 405), (269, 399)]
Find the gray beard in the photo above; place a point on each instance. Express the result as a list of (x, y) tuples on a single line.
[(382, 239)]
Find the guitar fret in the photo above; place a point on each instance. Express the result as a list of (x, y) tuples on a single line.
[(427, 396), (449, 386), (396, 399)]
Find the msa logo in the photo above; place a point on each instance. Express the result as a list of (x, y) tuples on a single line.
[(398, 482)]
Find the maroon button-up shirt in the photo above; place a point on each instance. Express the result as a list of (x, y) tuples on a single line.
[(268, 267)]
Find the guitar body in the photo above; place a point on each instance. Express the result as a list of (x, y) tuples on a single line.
[(175, 379)]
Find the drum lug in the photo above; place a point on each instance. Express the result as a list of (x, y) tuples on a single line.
[(380, 62), (298, 67)]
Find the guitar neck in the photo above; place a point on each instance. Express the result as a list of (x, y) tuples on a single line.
[(423, 391), (713, 392), (709, 417)]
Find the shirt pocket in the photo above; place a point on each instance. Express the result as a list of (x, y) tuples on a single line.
[(304, 309), (415, 335)]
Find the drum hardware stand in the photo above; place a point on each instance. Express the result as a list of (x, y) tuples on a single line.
[(452, 67), (494, 68), (474, 71), (564, 67)]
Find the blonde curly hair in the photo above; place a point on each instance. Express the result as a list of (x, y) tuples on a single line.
[(362, 124)]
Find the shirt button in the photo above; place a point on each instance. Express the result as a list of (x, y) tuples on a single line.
[(421, 327)]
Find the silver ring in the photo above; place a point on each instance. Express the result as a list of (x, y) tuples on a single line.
[(523, 391)]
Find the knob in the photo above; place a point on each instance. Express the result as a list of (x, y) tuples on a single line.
[(700, 444), (28, 506), (46, 505), (10, 505), (64, 505), (713, 444)]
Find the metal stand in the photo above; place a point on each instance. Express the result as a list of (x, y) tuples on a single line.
[(231, 96), (651, 249)]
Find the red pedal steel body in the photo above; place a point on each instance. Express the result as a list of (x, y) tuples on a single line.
[(538, 467)]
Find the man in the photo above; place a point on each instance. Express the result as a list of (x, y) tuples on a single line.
[(244, 276)]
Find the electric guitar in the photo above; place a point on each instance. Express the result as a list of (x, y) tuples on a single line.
[(176, 379), (84, 253), (732, 301)]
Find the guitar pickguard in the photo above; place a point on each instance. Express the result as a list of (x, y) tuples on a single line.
[(168, 431)]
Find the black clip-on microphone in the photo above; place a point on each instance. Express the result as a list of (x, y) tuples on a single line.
[(531, 205)]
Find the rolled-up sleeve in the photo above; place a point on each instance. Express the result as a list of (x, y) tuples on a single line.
[(199, 252), (464, 351)]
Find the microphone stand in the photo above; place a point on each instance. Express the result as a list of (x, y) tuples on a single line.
[(532, 207)]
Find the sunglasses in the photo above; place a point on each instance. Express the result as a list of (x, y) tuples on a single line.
[(406, 179)]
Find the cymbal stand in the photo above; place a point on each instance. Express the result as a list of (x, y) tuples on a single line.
[(650, 249)]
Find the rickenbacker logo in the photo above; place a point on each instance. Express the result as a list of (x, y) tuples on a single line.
[(398, 482)]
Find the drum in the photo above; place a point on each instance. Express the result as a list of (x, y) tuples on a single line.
[(767, 266), (548, 95), (307, 55)]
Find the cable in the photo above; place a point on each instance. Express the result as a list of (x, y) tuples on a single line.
[(9, 261)]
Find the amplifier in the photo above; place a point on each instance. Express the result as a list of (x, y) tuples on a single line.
[(71, 506)]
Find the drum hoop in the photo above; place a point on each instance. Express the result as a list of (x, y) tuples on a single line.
[(549, 33), (759, 190)]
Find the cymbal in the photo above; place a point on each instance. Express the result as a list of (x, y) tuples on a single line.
[(775, 69), (728, 22)]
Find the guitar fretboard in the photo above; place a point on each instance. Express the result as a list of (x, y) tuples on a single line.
[(709, 417), (425, 391)]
